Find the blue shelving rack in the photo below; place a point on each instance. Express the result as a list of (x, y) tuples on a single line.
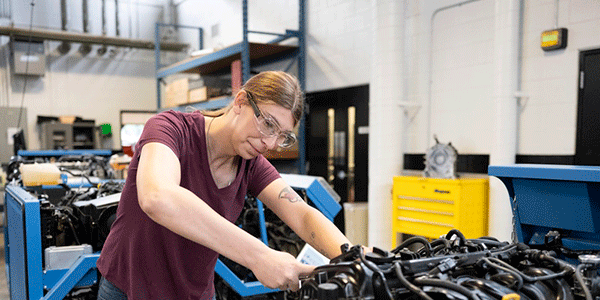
[(254, 54)]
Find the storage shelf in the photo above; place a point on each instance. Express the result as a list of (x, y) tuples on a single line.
[(211, 104), (220, 61), (250, 54)]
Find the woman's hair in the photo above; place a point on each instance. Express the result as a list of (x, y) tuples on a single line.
[(272, 87)]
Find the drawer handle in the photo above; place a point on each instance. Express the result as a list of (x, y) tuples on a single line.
[(426, 199), (426, 211), (425, 222), (441, 191)]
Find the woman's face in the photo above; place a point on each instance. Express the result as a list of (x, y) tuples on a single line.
[(248, 140)]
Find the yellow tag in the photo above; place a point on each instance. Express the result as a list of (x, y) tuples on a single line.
[(511, 297)]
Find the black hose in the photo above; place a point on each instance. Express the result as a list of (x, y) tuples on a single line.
[(507, 270), (74, 232), (375, 269), (82, 175), (459, 234), (527, 277), (491, 238), (448, 285), (435, 243), (439, 245), (579, 277), (413, 288), (413, 240), (487, 242)]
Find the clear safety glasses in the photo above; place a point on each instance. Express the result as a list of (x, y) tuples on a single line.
[(268, 127)]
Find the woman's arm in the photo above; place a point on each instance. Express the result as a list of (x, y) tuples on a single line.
[(181, 211), (309, 223)]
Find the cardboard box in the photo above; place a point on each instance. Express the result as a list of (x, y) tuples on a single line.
[(66, 119), (176, 93), (198, 95)]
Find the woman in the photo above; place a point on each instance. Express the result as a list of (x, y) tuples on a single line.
[(186, 186)]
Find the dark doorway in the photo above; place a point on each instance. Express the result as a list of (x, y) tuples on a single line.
[(587, 147), (342, 103)]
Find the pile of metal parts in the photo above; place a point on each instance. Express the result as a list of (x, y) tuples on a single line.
[(454, 267)]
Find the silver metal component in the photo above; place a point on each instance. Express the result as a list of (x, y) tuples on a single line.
[(440, 161), (63, 257), (589, 259)]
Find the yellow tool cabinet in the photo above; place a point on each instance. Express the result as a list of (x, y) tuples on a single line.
[(430, 207)]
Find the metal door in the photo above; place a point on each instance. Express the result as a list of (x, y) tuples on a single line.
[(587, 149), (337, 141)]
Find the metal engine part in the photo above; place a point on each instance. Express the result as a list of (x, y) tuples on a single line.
[(280, 237), (454, 267), (440, 161)]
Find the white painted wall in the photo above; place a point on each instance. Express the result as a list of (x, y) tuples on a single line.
[(92, 87)]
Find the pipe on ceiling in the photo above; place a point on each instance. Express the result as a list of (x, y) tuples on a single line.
[(74, 37), (85, 48), (64, 47), (117, 31), (102, 50)]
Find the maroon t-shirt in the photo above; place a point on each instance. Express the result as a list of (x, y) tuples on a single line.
[(148, 261)]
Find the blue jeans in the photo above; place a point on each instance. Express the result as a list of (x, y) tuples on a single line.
[(108, 291)]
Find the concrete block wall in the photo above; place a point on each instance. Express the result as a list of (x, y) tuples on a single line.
[(548, 118)]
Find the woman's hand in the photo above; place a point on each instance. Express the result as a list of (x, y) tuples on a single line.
[(280, 270)]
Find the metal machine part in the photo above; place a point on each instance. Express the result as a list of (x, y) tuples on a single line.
[(77, 169), (440, 161), (63, 257), (451, 267), (235, 281)]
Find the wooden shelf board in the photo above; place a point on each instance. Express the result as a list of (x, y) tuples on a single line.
[(221, 60)]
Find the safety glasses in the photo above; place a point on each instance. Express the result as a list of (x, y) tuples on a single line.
[(268, 127)]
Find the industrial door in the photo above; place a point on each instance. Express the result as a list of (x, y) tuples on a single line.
[(587, 147), (337, 141)]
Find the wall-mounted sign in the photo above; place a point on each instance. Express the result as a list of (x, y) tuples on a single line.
[(554, 39)]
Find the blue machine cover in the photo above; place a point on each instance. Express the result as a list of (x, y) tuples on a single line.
[(547, 198)]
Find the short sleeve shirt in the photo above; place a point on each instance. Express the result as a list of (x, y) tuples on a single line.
[(148, 261)]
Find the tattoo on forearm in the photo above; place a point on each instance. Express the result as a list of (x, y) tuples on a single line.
[(289, 194), (313, 242)]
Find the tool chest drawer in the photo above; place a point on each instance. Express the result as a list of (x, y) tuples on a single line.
[(431, 207)]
